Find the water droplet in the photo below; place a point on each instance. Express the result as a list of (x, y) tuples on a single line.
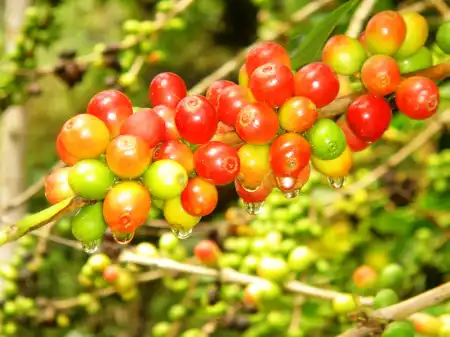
[(292, 194), (285, 183), (336, 182), (123, 238), (253, 208), (91, 247), (182, 235)]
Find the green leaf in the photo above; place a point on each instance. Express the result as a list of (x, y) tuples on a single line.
[(312, 44)]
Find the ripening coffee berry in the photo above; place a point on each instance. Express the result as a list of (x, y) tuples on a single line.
[(364, 276), (126, 207), (215, 89), (344, 54), (199, 197), (422, 59), (343, 304), (368, 117), (88, 224), (334, 168), (167, 89), (91, 179), (380, 75), (165, 179), (177, 217), (175, 150), (416, 35), (443, 37), (425, 324), (272, 83), (385, 33), (207, 252), (85, 136), (265, 52), (327, 139), (128, 156), (112, 107), (318, 82), (355, 143), (63, 154), (297, 114), (57, 187), (257, 123), (259, 194), (254, 165), (145, 124), (417, 97), (196, 119), (168, 116), (231, 100), (289, 154)]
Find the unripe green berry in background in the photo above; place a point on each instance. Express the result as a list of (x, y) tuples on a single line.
[(443, 37)]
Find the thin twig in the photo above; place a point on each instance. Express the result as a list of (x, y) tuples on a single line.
[(362, 13), (415, 7), (442, 8), (434, 126), (404, 309), (296, 313), (230, 276)]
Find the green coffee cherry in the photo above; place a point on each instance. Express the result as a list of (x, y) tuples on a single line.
[(399, 329), (177, 312), (420, 60), (443, 37), (343, 304), (392, 276), (146, 249), (385, 298), (161, 329), (301, 258), (98, 262)]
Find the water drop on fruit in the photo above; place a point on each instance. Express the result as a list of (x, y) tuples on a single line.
[(253, 208), (336, 182), (182, 234), (123, 238), (292, 194), (91, 247)]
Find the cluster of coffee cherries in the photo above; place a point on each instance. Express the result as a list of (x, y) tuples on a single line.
[(260, 134)]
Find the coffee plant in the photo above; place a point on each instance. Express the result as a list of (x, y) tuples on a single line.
[(331, 137)]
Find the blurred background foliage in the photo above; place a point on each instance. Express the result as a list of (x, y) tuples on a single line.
[(401, 219)]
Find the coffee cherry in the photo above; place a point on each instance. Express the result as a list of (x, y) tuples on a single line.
[(261, 293), (145, 124), (63, 154), (128, 156), (254, 165), (177, 151), (216, 162), (57, 186), (422, 59), (231, 100), (88, 224), (327, 139), (417, 97), (147, 249), (272, 83), (165, 179), (334, 168), (364, 276), (168, 115), (416, 35), (385, 298), (196, 119), (161, 329), (380, 75), (369, 117), (385, 33), (126, 207), (443, 37), (297, 114), (425, 324), (91, 179), (273, 269), (255, 195), (318, 82), (343, 304), (354, 143), (177, 217), (265, 52), (167, 89), (257, 123), (399, 329), (289, 154), (344, 54), (207, 252), (85, 136), (301, 258), (392, 276), (215, 89), (98, 262), (199, 198), (112, 107)]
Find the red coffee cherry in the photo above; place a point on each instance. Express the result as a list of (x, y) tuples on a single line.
[(231, 100), (167, 89), (354, 143), (380, 75), (417, 97), (369, 117), (318, 82), (145, 124), (199, 197), (215, 89), (265, 52)]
